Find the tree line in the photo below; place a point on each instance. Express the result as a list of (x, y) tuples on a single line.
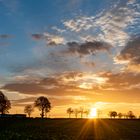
[(80, 112), (128, 115), (76, 112), (112, 114), (42, 103), (44, 106)]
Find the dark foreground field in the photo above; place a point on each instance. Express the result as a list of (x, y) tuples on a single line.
[(69, 129)]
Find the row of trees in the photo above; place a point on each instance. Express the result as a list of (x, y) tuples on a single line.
[(128, 115), (42, 103), (112, 114), (76, 111)]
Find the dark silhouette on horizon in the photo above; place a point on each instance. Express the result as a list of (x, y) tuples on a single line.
[(131, 115), (28, 109), (112, 114), (5, 104), (77, 111), (70, 111), (43, 104)]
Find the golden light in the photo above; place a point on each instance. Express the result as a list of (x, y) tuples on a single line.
[(93, 113)]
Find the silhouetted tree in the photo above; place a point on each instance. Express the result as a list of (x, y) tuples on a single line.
[(112, 114), (76, 111), (28, 109), (70, 111), (43, 105), (87, 111), (81, 111), (5, 104), (130, 115), (120, 115)]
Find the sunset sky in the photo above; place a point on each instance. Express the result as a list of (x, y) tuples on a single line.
[(75, 52)]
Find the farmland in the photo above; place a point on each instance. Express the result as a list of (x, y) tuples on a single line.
[(69, 129)]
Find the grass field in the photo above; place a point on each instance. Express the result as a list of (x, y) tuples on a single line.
[(69, 129)]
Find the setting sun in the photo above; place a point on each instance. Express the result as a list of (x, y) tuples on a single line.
[(93, 113)]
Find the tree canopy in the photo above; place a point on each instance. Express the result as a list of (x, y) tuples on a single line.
[(28, 109), (43, 104), (5, 104)]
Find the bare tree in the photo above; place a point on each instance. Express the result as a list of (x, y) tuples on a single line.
[(81, 111), (5, 104), (87, 111), (76, 112), (43, 105), (70, 111), (28, 109)]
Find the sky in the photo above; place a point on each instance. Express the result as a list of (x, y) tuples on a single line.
[(77, 53)]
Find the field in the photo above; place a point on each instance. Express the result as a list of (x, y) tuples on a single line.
[(69, 129)]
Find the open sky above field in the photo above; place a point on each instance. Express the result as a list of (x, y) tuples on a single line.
[(75, 52)]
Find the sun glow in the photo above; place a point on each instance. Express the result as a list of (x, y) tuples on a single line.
[(93, 113)]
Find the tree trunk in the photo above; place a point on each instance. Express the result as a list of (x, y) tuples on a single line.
[(42, 113), (2, 112)]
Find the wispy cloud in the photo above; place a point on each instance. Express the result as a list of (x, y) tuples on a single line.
[(5, 36), (50, 39), (108, 25)]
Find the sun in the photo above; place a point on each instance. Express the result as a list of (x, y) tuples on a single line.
[(93, 113)]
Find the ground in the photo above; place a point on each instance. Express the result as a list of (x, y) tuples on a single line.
[(69, 129)]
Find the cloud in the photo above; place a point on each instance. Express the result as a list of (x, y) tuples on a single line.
[(5, 36), (108, 25), (50, 39), (70, 85), (59, 84), (37, 36), (122, 81), (3, 39), (55, 28), (130, 55), (87, 47), (79, 83)]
